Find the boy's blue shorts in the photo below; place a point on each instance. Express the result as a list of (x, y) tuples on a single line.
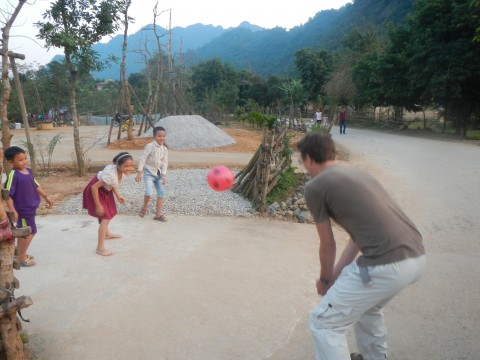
[(150, 181)]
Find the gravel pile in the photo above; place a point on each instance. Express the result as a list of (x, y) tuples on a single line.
[(192, 132), (187, 193)]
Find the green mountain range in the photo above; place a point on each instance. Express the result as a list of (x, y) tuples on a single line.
[(262, 51)]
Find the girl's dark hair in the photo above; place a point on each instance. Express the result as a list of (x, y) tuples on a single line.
[(121, 158), (319, 146), (157, 129), (10, 152)]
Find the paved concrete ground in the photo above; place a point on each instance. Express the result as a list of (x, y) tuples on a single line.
[(192, 288), (229, 288)]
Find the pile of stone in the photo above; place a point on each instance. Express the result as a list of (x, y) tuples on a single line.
[(293, 208), (192, 132)]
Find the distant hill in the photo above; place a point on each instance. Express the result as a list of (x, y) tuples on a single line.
[(272, 51), (184, 39), (250, 47)]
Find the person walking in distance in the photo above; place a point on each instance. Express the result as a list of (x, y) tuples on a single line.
[(392, 256), (342, 118), (318, 116)]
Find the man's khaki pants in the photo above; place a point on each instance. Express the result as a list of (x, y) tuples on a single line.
[(351, 302)]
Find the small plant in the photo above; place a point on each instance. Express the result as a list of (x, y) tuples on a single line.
[(43, 152), (260, 120), (319, 127), (285, 186), (86, 143)]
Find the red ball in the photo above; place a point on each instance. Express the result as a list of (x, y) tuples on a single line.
[(220, 178)]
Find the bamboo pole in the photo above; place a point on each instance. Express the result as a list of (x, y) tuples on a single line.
[(23, 108)]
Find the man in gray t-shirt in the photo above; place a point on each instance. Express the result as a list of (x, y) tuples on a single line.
[(355, 290)]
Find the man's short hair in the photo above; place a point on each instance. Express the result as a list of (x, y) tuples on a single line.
[(319, 146), (10, 152)]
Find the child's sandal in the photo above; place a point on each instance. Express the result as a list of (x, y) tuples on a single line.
[(27, 263), (31, 257), (142, 212)]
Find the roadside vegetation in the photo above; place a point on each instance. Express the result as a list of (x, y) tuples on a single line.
[(379, 73)]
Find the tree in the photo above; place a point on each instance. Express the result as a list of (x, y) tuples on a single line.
[(313, 68), (216, 81), (357, 64), (475, 4), (340, 87), (123, 69), (295, 96), (442, 58), (74, 26), (11, 346), (6, 87), (275, 93)]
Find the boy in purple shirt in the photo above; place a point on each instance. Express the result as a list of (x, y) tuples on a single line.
[(24, 199)]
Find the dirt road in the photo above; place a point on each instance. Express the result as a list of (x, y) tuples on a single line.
[(95, 138), (225, 288)]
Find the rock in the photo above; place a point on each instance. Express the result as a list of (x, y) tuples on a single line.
[(275, 206), (304, 217)]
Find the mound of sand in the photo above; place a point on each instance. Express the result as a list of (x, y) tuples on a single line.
[(192, 132)]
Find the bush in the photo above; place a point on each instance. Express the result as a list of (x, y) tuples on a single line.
[(473, 135), (260, 120), (320, 128), (285, 186)]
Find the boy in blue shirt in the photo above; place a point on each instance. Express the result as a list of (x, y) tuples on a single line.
[(24, 199)]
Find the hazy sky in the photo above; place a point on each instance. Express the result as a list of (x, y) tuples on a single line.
[(184, 12)]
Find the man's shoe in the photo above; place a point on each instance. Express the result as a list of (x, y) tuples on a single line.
[(356, 356), (21, 232)]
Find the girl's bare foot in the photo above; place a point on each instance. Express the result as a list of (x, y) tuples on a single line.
[(104, 252), (160, 218), (109, 236)]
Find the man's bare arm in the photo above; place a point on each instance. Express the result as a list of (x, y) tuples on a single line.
[(327, 252), (348, 255)]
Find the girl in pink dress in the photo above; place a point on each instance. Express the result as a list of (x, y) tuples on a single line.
[(99, 200)]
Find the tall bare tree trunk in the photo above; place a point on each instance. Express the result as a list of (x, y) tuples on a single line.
[(11, 346), (171, 72), (6, 136), (76, 123), (149, 107), (181, 99), (158, 80), (123, 75)]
